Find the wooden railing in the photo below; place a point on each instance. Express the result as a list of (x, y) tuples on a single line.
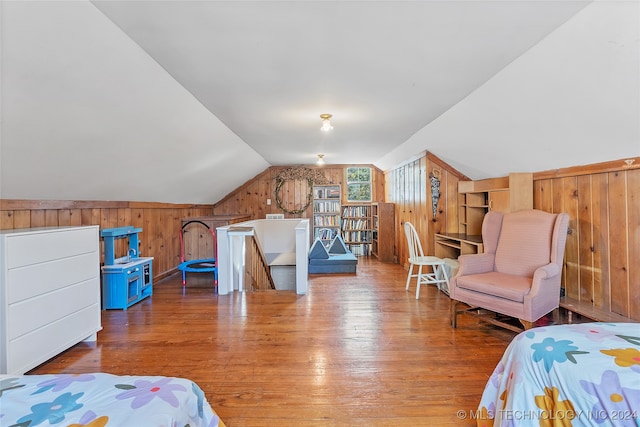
[(257, 272)]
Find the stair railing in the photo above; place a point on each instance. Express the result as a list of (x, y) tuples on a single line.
[(255, 272)]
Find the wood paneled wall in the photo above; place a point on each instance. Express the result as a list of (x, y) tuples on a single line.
[(602, 256), (408, 186), (251, 197), (160, 222)]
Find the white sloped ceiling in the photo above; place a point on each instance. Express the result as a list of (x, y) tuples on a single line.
[(573, 99), (88, 115), (182, 102)]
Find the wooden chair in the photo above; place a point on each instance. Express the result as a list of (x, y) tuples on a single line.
[(438, 273), (518, 275)]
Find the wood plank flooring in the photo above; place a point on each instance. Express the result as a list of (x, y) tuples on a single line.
[(356, 350)]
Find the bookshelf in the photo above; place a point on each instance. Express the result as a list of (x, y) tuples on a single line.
[(326, 212), (383, 236), (357, 229)]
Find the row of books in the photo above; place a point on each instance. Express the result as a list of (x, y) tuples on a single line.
[(355, 224), (358, 236), (326, 207), (323, 221), (326, 233), (360, 249), (356, 211)]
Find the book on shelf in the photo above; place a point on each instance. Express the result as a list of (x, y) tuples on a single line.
[(359, 249), (355, 211), (359, 236), (326, 233), (355, 224), (326, 221), (326, 207), (327, 193), (333, 193)]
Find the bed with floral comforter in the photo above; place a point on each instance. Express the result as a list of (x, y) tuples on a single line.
[(101, 399), (567, 375)]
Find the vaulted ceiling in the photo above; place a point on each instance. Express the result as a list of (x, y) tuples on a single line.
[(183, 101)]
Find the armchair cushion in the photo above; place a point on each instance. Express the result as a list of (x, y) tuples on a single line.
[(525, 242), (476, 263), (496, 284)]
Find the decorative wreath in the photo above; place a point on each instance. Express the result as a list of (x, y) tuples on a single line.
[(312, 176)]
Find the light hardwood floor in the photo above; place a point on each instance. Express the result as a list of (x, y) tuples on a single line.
[(356, 350)]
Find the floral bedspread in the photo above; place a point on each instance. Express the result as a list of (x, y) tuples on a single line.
[(101, 399), (567, 375)]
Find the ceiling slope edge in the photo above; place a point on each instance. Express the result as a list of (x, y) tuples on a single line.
[(80, 95), (416, 144)]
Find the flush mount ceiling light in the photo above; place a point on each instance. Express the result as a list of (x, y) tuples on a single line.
[(320, 161), (326, 123)]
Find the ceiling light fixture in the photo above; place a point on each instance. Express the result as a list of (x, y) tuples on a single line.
[(326, 123), (320, 161)]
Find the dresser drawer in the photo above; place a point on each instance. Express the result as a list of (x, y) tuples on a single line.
[(30, 350), (34, 313), (38, 279), (49, 293), (33, 248)]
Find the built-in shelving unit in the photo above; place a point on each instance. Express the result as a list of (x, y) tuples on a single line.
[(383, 236), (452, 245), (505, 194), (326, 212), (357, 229), (476, 198)]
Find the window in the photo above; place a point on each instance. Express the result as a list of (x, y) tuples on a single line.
[(359, 184)]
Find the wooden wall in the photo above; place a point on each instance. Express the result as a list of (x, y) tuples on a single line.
[(160, 222), (251, 197), (602, 256), (408, 187)]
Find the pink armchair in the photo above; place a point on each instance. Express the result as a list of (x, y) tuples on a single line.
[(519, 273)]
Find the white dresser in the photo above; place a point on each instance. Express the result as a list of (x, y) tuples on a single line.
[(49, 293)]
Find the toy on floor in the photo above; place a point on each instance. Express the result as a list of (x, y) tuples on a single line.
[(204, 265), (336, 259)]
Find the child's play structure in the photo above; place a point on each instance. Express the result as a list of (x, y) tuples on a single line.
[(337, 258), (203, 265)]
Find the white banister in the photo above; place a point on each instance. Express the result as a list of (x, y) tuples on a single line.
[(275, 236)]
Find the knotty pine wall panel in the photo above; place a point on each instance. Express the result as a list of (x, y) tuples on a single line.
[(585, 237), (633, 255), (601, 294), (602, 256), (160, 223), (618, 235), (251, 197), (409, 188)]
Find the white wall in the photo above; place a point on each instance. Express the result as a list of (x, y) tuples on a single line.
[(88, 115), (576, 94)]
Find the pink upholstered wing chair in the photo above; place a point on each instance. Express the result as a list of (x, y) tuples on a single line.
[(519, 273)]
